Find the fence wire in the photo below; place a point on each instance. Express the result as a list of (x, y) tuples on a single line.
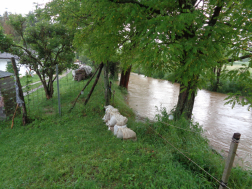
[(199, 133), (188, 158), (37, 103)]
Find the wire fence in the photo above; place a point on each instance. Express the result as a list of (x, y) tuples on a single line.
[(38, 104)]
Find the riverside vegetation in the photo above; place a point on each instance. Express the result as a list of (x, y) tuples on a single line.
[(77, 151), (226, 85)]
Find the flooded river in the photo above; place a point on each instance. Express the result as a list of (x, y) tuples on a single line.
[(219, 121)]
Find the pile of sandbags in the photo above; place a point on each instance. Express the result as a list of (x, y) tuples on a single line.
[(117, 123), (83, 72)]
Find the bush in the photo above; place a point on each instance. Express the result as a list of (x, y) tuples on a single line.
[(227, 86)]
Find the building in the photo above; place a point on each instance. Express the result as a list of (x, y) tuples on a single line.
[(7, 95), (6, 57)]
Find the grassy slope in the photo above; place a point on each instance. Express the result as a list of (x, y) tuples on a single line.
[(77, 151)]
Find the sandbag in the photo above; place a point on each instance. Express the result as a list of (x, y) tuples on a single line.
[(116, 127), (126, 133), (109, 112), (112, 121), (106, 117), (111, 129), (121, 120), (108, 107)]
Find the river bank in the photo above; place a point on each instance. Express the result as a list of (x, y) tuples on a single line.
[(146, 95), (77, 150), (225, 86)]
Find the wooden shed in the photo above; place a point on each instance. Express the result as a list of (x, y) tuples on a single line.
[(7, 94)]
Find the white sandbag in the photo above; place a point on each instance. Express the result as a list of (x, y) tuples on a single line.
[(108, 107), (116, 127), (121, 120), (126, 134), (104, 117), (109, 112), (119, 133), (111, 129), (112, 121)]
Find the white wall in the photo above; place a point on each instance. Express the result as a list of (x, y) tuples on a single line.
[(3, 63)]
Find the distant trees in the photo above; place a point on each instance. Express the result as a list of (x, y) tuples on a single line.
[(43, 44)]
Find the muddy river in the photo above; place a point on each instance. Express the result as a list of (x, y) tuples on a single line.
[(219, 121)]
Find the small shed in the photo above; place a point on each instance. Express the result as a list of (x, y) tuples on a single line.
[(7, 94)]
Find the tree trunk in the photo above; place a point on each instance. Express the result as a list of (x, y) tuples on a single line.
[(186, 100), (124, 81), (106, 84), (218, 74), (48, 88)]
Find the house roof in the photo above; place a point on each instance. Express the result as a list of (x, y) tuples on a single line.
[(5, 74), (7, 56)]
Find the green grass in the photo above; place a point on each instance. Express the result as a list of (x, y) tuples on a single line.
[(77, 151), (25, 79), (27, 82), (238, 64)]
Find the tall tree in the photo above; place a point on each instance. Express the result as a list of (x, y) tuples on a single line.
[(185, 36), (43, 45)]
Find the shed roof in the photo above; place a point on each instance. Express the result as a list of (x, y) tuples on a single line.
[(7, 56), (5, 74)]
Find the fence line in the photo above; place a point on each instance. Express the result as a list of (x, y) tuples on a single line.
[(189, 158)]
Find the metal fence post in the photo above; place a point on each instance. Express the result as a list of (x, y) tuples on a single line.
[(230, 160), (57, 75)]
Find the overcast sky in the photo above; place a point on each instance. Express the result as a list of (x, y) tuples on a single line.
[(19, 6)]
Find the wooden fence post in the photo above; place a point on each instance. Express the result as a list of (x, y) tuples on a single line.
[(230, 160), (20, 91)]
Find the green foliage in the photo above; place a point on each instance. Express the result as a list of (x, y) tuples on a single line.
[(5, 41), (9, 67), (114, 70), (44, 44), (160, 36)]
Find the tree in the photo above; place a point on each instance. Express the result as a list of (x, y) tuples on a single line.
[(43, 45), (187, 37)]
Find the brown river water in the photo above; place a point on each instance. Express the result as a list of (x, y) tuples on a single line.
[(219, 121)]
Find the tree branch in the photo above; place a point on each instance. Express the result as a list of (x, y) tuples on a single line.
[(29, 54), (235, 59), (216, 13)]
